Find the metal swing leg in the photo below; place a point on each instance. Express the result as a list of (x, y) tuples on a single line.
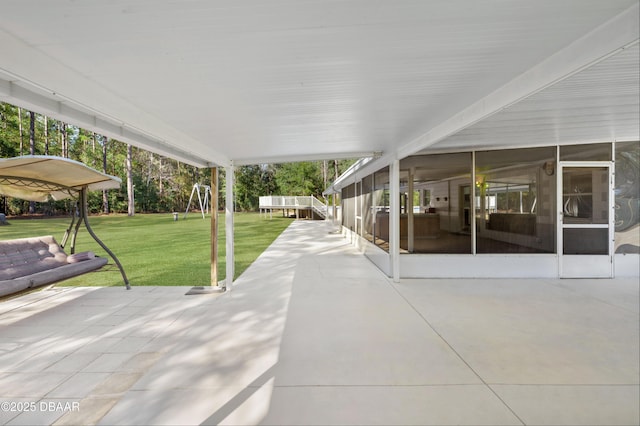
[(84, 213), (75, 233), (191, 198), (68, 231)]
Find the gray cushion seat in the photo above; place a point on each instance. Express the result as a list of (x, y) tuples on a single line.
[(36, 261)]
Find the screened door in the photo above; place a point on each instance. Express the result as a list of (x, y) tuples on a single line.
[(585, 231)]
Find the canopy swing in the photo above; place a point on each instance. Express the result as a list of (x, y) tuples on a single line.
[(41, 178)]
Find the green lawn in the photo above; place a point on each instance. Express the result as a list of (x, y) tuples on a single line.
[(156, 250)]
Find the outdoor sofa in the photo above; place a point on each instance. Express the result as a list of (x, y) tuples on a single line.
[(32, 262)]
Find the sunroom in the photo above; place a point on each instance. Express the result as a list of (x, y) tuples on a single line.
[(564, 211)]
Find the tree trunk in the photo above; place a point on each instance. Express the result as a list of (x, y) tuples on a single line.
[(32, 133), (64, 140), (325, 172), (105, 199), (130, 193), (160, 184), (150, 169), (21, 130), (46, 135), (32, 148)]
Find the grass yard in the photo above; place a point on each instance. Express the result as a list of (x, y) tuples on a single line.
[(156, 250)]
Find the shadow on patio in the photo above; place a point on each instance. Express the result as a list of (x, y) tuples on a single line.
[(313, 333)]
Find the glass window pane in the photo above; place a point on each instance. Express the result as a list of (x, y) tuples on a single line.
[(585, 195), (627, 197), (515, 201), (440, 218), (367, 207), (380, 208), (349, 207), (586, 152)]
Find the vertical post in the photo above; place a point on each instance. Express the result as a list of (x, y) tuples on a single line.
[(230, 267), (472, 205), (612, 209), (214, 226), (394, 216), (335, 211), (410, 219)]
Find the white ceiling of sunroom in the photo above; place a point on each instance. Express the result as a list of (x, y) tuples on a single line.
[(598, 104), (214, 82)]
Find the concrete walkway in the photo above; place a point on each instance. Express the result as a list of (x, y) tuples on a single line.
[(313, 333)]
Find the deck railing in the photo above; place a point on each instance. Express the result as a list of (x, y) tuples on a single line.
[(293, 202)]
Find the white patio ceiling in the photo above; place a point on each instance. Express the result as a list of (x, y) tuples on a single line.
[(215, 82)]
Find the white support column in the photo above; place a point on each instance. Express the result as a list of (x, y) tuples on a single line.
[(228, 219), (333, 204), (473, 207), (394, 216), (214, 227), (410, 219)]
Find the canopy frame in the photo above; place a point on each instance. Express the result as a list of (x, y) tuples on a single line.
[(17, 181), (40, 186), (84, 215)]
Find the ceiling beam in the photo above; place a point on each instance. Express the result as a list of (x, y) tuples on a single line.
[(20, 96), (608, 39), (31, 83), (308, 157)]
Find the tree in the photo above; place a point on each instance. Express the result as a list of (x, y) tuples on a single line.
[(9, 130), (303, 178), (251, 183)]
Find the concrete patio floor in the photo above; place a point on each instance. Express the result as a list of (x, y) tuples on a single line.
[(313, 333)]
